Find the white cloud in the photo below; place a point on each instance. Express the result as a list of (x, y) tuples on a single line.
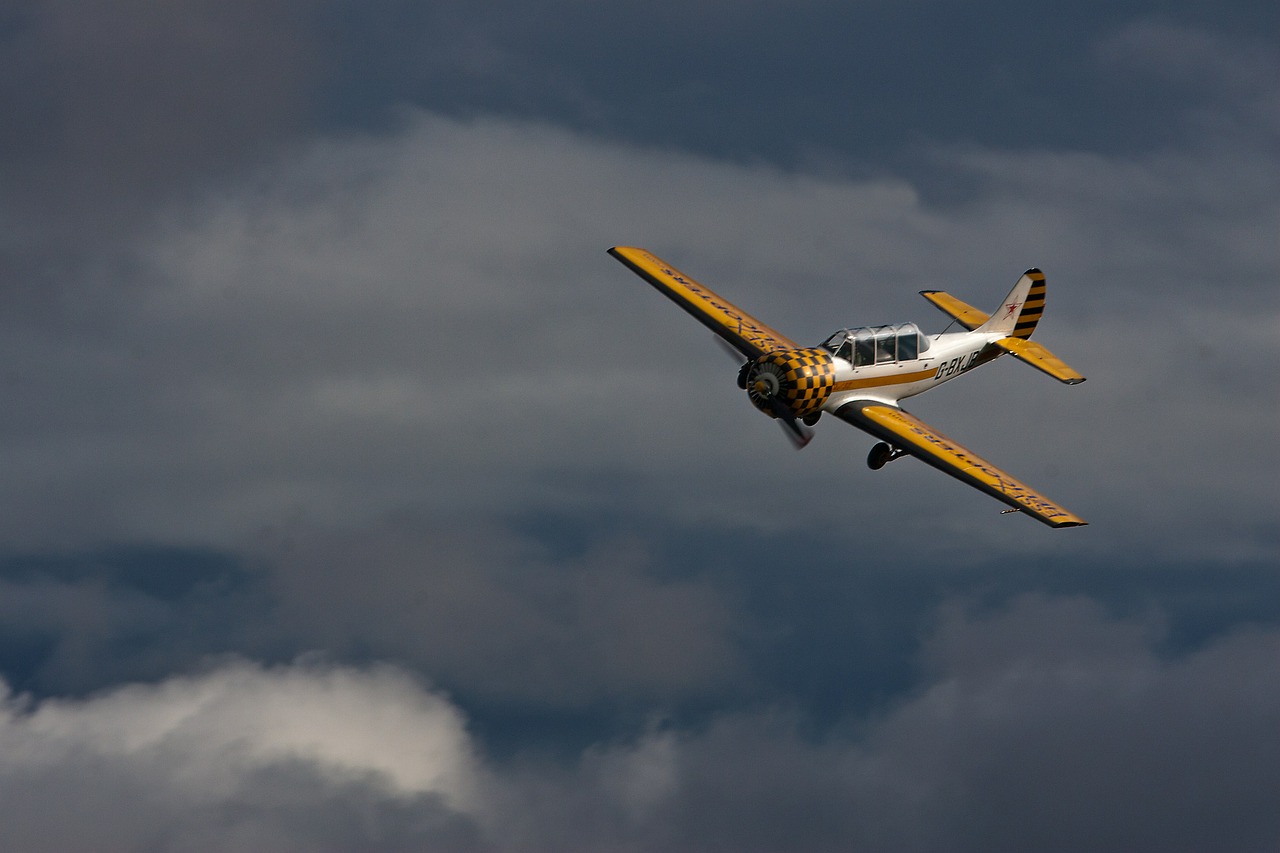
[(210, 730), (222, 760)]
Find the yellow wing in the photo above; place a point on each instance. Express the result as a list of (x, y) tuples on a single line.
[(924, 442), (747, 334), (1038, 356)]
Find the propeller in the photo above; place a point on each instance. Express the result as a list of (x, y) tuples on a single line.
[(737, 355), (729, 349), (764, 390), (799, 434)]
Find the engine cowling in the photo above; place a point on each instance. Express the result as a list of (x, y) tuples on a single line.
[(799, 379)]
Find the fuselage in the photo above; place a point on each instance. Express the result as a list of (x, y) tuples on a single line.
[(891, 363)]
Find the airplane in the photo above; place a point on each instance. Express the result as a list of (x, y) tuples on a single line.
[(860, 375)]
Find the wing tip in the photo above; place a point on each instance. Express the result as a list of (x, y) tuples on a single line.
[(1051, 520)]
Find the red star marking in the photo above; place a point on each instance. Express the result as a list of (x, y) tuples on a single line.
[(1010, 308)]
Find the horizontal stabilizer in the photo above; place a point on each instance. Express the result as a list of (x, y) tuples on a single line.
[(962, 312), (1039, 357)]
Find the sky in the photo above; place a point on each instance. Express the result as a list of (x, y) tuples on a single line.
[(355, 499)]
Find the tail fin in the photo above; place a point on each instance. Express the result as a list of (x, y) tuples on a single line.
[(1020, 312)]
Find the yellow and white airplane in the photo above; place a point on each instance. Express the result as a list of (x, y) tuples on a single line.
[(860, 375)]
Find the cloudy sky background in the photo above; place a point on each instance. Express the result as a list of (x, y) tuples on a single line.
[(355, 499)]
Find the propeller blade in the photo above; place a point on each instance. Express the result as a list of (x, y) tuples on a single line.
[(732, 351), (799, 434), (765, 394)]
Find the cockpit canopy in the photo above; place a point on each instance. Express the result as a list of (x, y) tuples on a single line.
[(877, 344)]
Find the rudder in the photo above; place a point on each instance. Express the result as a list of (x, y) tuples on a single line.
[(1018, 315)]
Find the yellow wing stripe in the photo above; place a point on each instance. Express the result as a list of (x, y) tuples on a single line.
[(751, 337), (923, 441), (962, 312), (1038, 356)]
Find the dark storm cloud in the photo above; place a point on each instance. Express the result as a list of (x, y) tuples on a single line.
[(1229, 79), (345, 370), (490, 613), (491, 616), (1042, 724), (561, 650), (72, 623), (112, 106), (1045, 727), (860, 84)]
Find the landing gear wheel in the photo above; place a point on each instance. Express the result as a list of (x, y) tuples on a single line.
[(879, 456), (811, 420)]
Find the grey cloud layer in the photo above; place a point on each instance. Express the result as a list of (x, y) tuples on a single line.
[(429, 322)]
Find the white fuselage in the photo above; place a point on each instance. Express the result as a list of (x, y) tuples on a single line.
[(947, 356)]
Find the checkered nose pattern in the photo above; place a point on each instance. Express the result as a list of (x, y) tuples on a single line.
[(800, 378)]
